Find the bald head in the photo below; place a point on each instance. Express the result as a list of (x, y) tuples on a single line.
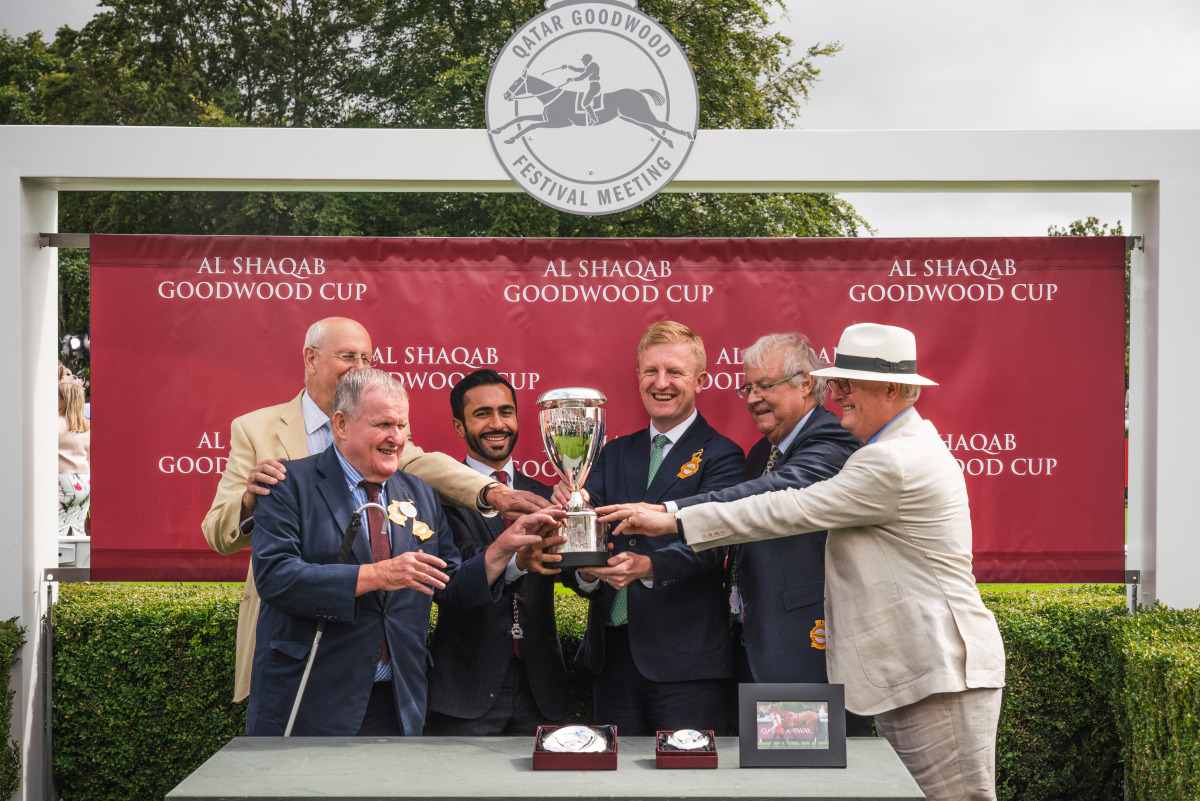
[(333, 347)]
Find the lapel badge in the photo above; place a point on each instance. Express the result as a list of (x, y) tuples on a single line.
[(692, 466), (421, 531), (396, 513), (407, 509), (817, 635)]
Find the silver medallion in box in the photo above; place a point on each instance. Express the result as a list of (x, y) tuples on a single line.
[(572, 426)]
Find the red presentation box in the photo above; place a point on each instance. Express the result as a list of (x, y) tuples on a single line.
[(556, 760), (700, 758)]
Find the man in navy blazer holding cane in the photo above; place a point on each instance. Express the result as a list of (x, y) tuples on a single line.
[(369, 675)]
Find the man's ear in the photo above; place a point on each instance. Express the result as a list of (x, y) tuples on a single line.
[(310, 360), (460, 428), (338, 424)]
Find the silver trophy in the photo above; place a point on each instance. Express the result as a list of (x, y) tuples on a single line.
[(572, 426)]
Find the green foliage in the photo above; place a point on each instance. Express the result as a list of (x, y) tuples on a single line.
[(143, 682), (370, 63), (12, 637), (23, 63), (1159, 657), (1058, 737)]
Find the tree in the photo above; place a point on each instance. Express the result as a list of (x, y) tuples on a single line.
[(408, 63), (1093, 227), (23, 63)]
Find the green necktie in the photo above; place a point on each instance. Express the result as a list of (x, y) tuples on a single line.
[(619, 614)]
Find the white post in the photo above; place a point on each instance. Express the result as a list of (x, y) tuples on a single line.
[(28, 446)]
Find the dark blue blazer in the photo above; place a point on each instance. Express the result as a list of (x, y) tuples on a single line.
[(298, 531), (471, 651), (782, 581), (679, 629)]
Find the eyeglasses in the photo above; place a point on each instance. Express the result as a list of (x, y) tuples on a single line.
[(350, 358), (745, 389), (842, 384)]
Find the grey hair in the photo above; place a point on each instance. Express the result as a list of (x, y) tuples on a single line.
[(357, 383), (909, 392), (315, 337), (798, 356)]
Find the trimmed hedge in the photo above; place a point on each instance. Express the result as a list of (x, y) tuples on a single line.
[(1159, 657), (1058, 733), (12, 637), (143, 678)]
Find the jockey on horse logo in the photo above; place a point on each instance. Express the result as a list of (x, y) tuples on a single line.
[(562, 108), (563, 77)]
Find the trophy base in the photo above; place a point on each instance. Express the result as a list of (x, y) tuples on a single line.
[(570, 561)]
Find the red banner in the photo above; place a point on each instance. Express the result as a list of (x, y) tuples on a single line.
[(1025, 337)]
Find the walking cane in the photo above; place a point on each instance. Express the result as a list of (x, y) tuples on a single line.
[(343, 555)]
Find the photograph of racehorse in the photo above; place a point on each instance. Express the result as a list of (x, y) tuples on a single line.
[(793, 724), (561, 108)]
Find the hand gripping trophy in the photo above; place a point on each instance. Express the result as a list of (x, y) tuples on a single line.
[(572, 426)]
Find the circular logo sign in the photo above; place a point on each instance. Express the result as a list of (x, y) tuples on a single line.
[(592, 107)]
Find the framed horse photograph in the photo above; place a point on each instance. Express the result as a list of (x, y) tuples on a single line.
[(792, 725)]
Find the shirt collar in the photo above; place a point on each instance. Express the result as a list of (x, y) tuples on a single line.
[(879, 433), (678, 431), (353, 477), (790, 438), (487, 469), (314, 418)]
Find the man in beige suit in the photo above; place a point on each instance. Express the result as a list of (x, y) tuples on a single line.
[(261, 441), (907, 633)]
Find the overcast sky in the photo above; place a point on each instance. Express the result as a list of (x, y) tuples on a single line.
[(959, 64)]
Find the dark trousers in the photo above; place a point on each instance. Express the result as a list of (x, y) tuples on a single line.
[(514, 713), (639, 707), (381, 720)]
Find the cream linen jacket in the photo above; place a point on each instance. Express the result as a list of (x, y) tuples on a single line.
[(903, 615), (277, 432)]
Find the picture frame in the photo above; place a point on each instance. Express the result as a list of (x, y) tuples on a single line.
[(792, 725)]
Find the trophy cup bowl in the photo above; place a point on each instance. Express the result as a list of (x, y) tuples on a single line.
[(572, 426)]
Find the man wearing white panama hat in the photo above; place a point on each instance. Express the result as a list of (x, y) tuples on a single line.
[(907, 633)]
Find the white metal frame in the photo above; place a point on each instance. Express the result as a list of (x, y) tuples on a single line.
[(1160, 169)]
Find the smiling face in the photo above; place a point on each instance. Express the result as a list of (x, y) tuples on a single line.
[(777, 410), (669, 381), (867, 406), (346, 346), (373, 440), (489, 424)]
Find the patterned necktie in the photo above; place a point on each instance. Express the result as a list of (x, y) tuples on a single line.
[(502, 478), (381, 548), (775, 454), (620, 607)]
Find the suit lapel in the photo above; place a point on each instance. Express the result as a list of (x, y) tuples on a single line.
[(336, 494), (292, 436), (638, 461), (693, 440)]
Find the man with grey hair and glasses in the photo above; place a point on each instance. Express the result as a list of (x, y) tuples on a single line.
[(907, 632), (777, 588), (261, 441)]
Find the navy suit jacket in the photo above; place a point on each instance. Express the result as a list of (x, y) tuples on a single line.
[(679, 629), (297, 534), (471, 651), (782, 581)]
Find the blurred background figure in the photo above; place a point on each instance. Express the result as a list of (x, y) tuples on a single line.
[(74, 455)]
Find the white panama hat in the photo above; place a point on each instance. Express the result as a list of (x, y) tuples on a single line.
[(871, 352)]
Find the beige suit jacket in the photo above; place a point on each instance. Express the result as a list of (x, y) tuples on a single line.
[(903, 615), (277, 432)]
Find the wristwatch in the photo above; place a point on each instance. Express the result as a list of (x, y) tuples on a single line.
[(679, 525), (485, 508)]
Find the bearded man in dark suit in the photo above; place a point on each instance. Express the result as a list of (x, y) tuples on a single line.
[(498, 669)]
